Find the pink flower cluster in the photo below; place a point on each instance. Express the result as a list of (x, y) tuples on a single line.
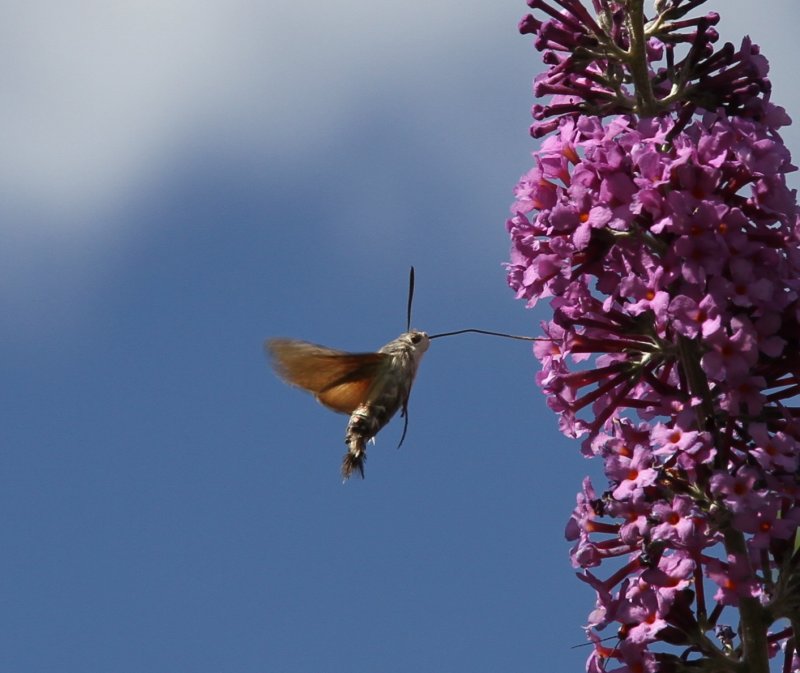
[(669, 246)]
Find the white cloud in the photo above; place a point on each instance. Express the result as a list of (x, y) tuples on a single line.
[(97, 94), (101, 97)]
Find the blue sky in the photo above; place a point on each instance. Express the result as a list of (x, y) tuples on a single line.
[(182, 180)]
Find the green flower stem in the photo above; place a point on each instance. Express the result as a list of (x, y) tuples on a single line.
[(646, 105), (753, 622)]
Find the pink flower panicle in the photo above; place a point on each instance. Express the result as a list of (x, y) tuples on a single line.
[(668, 244), (590, 70)]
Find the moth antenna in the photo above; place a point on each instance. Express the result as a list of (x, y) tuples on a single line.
[(410, 298), (490, 333)]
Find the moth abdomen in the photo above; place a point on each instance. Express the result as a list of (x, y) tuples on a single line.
[(365, 422)]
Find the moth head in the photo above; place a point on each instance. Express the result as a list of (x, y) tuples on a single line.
[(419, 341)]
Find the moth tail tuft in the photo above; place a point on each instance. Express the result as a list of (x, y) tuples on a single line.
[(353, 460)]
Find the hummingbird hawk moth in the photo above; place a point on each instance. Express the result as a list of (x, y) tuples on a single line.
[(371, 387)]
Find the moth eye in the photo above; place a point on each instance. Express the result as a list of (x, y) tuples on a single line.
[(416, 338)]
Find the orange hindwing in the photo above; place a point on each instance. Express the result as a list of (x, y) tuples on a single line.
[(339, 380)]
